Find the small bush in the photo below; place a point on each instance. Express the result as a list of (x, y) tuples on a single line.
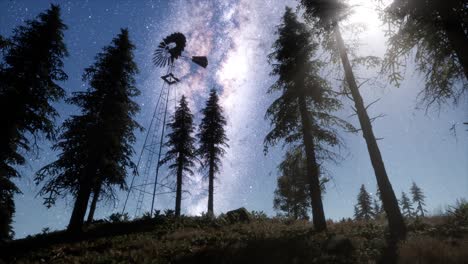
[(258, 215), (118, 217), (459, 213), (45, 230), (169, 213)]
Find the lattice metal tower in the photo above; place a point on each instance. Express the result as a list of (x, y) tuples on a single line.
[(148, 164)]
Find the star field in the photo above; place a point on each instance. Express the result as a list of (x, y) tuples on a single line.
[(237, 35)]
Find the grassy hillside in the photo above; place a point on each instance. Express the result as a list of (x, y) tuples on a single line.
[(255, 239)]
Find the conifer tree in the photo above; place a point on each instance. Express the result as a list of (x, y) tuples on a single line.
[(377, 209), (364, 209), (418, 198), (29, 71), (303, 110), (438, 31), (292, 192), (378, 203), (181, 152), (325, 16), (97, 144), (406, 207), (3, 42), (7, 207), (212, 139), (378, 194)]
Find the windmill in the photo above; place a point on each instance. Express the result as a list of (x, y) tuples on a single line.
[(169, 50)]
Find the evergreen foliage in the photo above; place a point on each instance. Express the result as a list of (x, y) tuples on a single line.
[(181, 151), (438, 31), (377, 208), (406, 206), (30, 70), (97, 144), (418, 198), (292, 192), (303, 110), (212, 140), (3, 42), (7, 207), (364, 209)]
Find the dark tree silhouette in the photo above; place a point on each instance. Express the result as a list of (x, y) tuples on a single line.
[(364, 210), (101, 191), (325, 15), (181, 152), (377, 208), (29, 72), (438, 31), (303, 110), (406, 206), (212, 139), (3, 42), (96, 145), (292, 192), (418, 198), (7, 207)]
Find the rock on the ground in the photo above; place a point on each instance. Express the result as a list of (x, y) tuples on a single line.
[(240, 215)]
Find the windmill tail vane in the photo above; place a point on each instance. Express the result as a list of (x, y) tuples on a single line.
[(200, 60)]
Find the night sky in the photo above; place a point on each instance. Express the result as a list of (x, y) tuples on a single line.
[(237, 35)]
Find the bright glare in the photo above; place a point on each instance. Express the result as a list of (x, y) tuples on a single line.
[(364, 11), (372, 39)]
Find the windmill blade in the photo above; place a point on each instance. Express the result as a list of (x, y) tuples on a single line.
[(169, 50), (200, 60)]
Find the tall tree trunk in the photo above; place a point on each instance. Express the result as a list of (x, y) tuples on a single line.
[(389, 200), (79, 209), (211, 186), (456, 35), (318, 214), (92, 208), (178, 191)]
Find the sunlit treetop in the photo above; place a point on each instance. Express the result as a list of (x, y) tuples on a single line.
[(422, 29), (325, 12)]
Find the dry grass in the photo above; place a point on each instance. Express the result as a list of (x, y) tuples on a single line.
[(441, 239), (424, 249)]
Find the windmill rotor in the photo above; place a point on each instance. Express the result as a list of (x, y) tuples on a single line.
[(169, 50)]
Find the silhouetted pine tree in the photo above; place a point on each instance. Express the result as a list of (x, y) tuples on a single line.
[(364, 209), (96, 145), (212, 138), (325, 15), (381, 210), (3, 42), (292, 192), (438, 31), (406, 206), (377, 209), (31, 66), (181, 152), (418, 198), (303, 110), (378, 194), (7, 207)]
